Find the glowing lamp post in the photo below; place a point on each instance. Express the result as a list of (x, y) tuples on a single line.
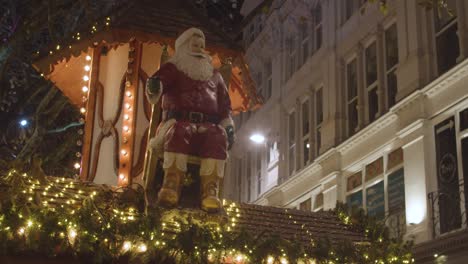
[(257, 138)]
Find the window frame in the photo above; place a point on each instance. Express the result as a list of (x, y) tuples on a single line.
[(307, 136), (318, 124), (439, 32), (375, 85), (393, 69), (292, 144), (318, 27), (351, 131)]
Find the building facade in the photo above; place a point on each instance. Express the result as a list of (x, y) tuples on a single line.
[(362, 105)]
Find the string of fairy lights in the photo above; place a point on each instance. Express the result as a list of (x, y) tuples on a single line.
[(67, 197), (128, 115), (84, 100)]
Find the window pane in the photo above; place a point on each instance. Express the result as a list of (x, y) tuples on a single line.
[(259, 161), (443, 16), (464, 120), (268, 153), (306, 205), (391, 46), (268, 68), (269, 89), (304, 31), (319, 141), (305, 149), (375, 201), (305, 118), (447, 49), (292, 160), (305, 51), (371, 64), (447, 176), (464, 147), (352, 117), (373, 104), (354, 200), (259, 183), (319, 106), (292, 128), (349, 8), (391, 88), (318, 37), (351, 79), (318, 14)]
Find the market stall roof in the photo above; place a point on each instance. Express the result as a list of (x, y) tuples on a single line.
[(296, 225), (305, 227), (157, 21)]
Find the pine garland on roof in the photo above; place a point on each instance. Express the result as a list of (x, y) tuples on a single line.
[(51, 217)]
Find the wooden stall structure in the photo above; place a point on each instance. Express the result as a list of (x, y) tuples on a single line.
[(104, 74)]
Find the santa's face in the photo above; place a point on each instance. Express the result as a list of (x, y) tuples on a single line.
[(197, 46), (191, 59)]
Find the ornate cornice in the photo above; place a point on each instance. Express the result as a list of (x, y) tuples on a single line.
[(367, 132), (447, 80)]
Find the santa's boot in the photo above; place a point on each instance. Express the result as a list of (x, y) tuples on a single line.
[(211, 172), (210, 190), (169, 194)]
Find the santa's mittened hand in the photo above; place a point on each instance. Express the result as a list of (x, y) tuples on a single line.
[(153, 85), (230, 136)]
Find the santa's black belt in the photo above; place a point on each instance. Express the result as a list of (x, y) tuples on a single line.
[(192, 117)]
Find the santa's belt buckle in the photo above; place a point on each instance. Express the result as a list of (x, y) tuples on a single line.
[(195, 117)]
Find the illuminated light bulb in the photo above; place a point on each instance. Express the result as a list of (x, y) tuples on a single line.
[(88, 58), (21, 231), (85, 78), (122, 176), (72, 234), (77, 165), (58, 47), (126, 246), (128, 93), (124, 152), (270, 260), (23, 122), (257, 138), (239, 258), (284, 261), (29, 223), (128, 106), (126, 117), (85, 89), (83, 110), (142, 248), (126, 128), (87, 68)]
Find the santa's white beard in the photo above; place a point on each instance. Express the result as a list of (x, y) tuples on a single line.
[(195, 66)]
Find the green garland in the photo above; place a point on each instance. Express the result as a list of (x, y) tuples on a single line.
[(108, 231)]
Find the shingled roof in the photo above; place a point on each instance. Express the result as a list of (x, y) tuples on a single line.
[(170, 18), (158, 21), (294, 225)]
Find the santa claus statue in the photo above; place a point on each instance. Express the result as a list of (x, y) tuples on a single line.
[(196, 120)]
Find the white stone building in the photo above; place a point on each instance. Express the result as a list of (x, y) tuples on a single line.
[(361, 106)]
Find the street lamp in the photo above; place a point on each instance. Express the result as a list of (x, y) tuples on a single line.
[(23, 122), (257, 138)]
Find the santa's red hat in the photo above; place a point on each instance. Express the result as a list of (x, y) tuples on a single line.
[(184, 37)]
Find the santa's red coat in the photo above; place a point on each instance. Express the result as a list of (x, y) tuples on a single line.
[(183, 94)]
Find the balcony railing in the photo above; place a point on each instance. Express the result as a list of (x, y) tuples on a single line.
[(448, 210)]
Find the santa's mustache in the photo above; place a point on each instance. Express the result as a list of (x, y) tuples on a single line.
[(199, 55)]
